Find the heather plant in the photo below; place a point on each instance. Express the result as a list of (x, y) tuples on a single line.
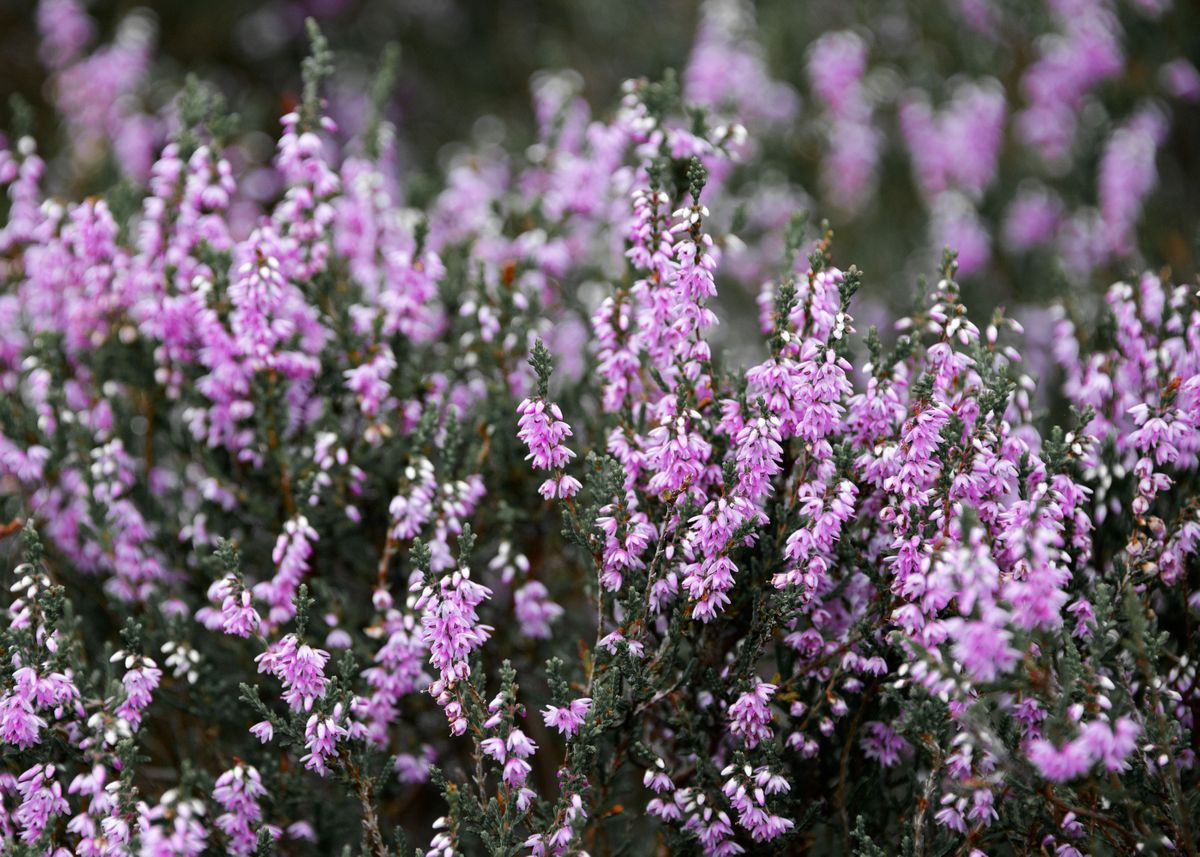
[(1048, 141), (337, 525)]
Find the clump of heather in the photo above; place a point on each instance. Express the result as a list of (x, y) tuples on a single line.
[(1022, 133), (351, 525)]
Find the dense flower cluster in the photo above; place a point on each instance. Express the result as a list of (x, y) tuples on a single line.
[(1019, 134), (858, 588)]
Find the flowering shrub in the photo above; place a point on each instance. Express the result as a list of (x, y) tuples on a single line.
[(327, 517), (1046, 140)]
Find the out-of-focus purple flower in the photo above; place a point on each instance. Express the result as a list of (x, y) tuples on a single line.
[(1127, 174), (1098, 741), (727, 68), (836, 63), (65, 30), (1085, 52), (1181, 80), (956, 224), (1032, 218), (534, 609), (959, 145)]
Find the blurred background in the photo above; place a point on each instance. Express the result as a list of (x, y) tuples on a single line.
[(1054, 143)]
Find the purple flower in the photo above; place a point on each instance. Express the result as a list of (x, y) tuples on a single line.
[(321, 734), (1032, 219), (291, 554), (41, 800), (451, 630), (65, 29), (238, 616), (1098, 741), (1180, 78), (411, 510), (883, 744), (750, 715), (300, 668), (747, 791), (727, 69), (657, 780), (1086, 52), (983, 648), (534, 610), (567, 719), (237, 791), (957, 147), (542, 428), (836, 63), (141, 678), (1127, 174)]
